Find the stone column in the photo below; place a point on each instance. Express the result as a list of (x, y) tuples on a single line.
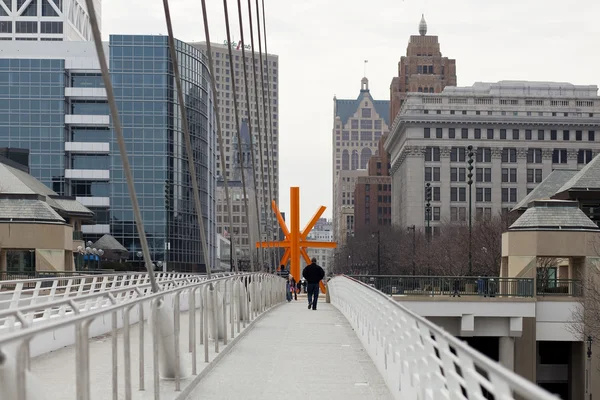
[(521, 173), (577, 369), (2, 260), (546, 162), (507, 352)]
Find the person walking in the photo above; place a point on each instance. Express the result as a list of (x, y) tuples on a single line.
[(294, 287), (313, 275)]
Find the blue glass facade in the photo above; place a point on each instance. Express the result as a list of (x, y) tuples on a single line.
[(147, 100), (32, 115)]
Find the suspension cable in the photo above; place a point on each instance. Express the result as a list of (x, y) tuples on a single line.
[(260, 253), (188, 141), (260, 146), (217, 114), (269, 100), (268, 131), (114, 112), (237, 126)]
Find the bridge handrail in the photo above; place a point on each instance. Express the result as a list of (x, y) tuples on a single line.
[(240, 312), (417, 357), (85, 300)]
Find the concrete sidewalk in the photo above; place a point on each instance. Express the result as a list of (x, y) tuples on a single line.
[(296, 352)]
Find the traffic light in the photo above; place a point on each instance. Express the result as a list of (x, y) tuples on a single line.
[(428, 192)]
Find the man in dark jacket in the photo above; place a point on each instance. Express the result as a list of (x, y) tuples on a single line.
[(313, 275)]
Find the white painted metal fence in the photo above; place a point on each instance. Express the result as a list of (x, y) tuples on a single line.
[(222, 307), (418, 359)]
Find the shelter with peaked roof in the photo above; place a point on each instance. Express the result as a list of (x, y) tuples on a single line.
[(582, 186), (39, 230)]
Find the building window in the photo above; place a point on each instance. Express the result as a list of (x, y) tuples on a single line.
[(578, 135), (457, 154), (584, 156), (534, 175), (366, 113), (438, 133), (566, 135), (477, 133), (541, 134), (509, 155), (509, 195), (26, 26), (527, 134), (483, 213), (509, 175), (458, 194), (516, 134), (51, 27), (483, 194), (432, 154), (559, 156), (490, 134), (451, 133), (553, 135), (432, 174), (503, 134), (483, 174), (591, 136), (427, 133), (483, 154), (436, 213), (534, 156), (436, 193), (458, 174), (464, 133), (458, 213)]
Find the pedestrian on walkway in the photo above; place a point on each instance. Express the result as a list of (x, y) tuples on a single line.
[(288, 290), (313, 275), (294, 287)]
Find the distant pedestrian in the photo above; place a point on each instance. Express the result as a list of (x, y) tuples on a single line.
[(313, 275), (294, 287), (288, 290)]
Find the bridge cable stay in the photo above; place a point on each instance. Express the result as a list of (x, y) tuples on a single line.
[(270, 136), (121, 141), (250, 130), (239, 136), (188, 141), (267, 124), (265, 205)]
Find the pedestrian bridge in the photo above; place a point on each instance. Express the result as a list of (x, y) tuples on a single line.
[(230, 336)]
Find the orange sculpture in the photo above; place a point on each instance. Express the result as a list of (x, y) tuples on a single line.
[(295, 242)]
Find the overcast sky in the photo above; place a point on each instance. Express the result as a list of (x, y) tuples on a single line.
[(322, 45)]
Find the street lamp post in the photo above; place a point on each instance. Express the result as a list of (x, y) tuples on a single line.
[(470, 183), (414, 249), (139, 254), (378, 250), (588, 367), (428, 219)]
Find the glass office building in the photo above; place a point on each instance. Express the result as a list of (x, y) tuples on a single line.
[(54, 104), (144, 85)]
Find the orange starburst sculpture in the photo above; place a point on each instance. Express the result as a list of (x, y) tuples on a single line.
[(295, 242)]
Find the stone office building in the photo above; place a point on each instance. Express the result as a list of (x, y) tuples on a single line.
[(520, 131)]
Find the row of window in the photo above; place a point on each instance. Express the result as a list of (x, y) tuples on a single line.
[(508, 175), (380, 187), (459, 194), (31, 27), (438, 100), (515, 134), (508, 155)]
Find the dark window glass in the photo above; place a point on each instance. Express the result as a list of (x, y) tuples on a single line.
[(451, 133), (90, 162), (87, 81)]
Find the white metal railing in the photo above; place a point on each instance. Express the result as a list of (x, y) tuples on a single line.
[(217, 309), (40, 291), (418, 359)]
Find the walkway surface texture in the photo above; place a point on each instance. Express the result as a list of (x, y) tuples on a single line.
[(293, 351)]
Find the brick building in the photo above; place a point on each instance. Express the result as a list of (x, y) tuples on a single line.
[(423, 69), (372, 193)]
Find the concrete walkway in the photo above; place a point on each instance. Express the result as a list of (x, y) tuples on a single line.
[(293, 352)]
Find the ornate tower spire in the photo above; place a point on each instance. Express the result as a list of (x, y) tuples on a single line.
[(423, 26)]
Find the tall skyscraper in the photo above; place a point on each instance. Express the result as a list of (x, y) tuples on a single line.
[(269, 127), (357, 127), (423, 69), (46, 20), (53, 102)]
